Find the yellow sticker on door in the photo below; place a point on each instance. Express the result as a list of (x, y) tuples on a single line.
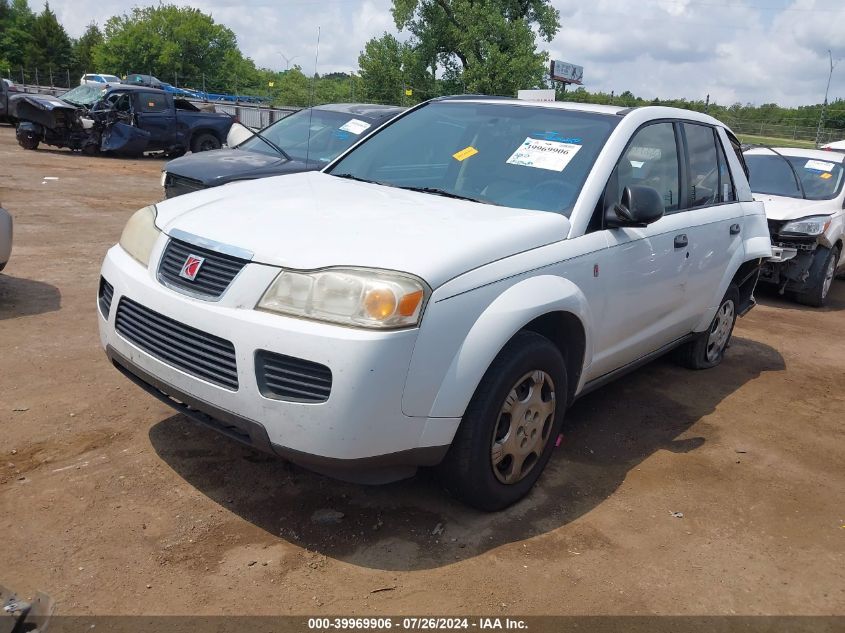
[(465, 153)]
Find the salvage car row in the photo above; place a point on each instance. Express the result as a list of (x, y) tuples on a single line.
[(453, 277)]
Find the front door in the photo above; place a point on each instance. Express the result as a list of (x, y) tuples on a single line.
[(155, 114), (645, 270)]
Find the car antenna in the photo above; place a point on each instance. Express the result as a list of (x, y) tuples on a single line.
[(311, 99)]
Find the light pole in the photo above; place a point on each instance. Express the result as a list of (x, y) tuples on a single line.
[(824, 105), (287, 59)]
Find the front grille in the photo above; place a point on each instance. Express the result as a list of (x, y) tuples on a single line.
[(214, 276), (104, 297), (176, 185), (286, 378), (193, 351)]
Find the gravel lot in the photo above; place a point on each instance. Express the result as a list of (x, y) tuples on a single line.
[(114, 505)]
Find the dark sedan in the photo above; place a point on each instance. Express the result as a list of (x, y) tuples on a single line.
[(304, 141)]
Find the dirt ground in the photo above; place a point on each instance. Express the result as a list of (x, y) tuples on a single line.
[(114, 505)]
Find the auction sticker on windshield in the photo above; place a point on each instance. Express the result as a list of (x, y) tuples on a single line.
[(819, 165), (551, 155), (356, 126)]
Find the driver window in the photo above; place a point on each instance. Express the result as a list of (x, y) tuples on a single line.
[(651, 160)]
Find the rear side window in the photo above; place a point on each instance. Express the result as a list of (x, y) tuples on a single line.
[(152, 102), (703, 166), (652, 160), (727, 191), (737, 148)]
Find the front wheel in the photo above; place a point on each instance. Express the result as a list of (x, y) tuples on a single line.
[(707, 348), (204, 142), (820, 279), (508, 432)]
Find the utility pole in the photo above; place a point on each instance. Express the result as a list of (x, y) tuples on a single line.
[(824, 105)]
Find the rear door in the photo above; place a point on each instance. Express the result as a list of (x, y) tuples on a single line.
[(715, 215), (645, 269), (155, 113)]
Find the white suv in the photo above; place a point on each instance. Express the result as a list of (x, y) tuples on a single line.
[(440, 293), (804, 194)]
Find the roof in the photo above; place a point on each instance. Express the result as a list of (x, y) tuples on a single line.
[(362, 109), (647, 112), (136, 88), (817, 154)]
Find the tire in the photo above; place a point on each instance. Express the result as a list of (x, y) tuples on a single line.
[(29, 143), (707, 349), (470, 471), (820, 278), (204, 142)]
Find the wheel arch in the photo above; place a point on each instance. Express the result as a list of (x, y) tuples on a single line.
[(548, 305)]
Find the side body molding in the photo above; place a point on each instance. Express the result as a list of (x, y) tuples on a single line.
[(472, 328)]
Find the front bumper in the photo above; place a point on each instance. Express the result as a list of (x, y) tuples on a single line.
[(789, 266), (358, 433)]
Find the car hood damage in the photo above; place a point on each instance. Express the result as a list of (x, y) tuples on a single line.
[(313, 220), (783, 208)]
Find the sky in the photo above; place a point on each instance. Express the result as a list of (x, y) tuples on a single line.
[(748, 51)]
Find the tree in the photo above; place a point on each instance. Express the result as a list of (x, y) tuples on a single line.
[(389, 67), (50, 48), (83, 49), (168, 41), (15, 38), (487, 45)]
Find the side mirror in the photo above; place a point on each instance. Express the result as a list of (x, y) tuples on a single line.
[(640, 206)]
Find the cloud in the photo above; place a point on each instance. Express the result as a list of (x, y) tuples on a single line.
[(734, 50)]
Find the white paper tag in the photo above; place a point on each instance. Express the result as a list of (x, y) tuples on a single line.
[(551, 155), (355, 126), (819, 164)]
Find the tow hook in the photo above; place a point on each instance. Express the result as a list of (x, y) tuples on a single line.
[(18, 615)]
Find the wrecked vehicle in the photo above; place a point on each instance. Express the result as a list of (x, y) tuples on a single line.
[(125, 120), (804, 196), (7, 90)]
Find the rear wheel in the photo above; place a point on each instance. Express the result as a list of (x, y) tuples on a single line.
[(204, 142), (820, 279), (707, 348), (507, 434)]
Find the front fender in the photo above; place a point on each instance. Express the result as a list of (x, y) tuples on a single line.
[(463, 334)]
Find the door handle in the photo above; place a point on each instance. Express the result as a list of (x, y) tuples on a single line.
[(681, 240), (735, 229)]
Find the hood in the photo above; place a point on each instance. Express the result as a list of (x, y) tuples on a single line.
[(42, 102), (313, 220), (783, 208), (220, 166)]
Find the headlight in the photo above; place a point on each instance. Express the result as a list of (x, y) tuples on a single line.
[(808, 226), (140, 234), (358, 297)]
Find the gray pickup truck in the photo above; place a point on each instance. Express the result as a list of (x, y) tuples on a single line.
[(126, 120)]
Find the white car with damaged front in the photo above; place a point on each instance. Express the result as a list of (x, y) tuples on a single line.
[(804, 194), (440, 293)]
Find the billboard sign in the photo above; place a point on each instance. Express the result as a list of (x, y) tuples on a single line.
[(566, 72)]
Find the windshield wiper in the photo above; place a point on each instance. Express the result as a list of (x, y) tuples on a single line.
[(284, 154), (359, 179), (449, 194), (794, 173)]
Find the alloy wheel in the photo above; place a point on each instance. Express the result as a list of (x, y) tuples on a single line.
[(720, 331)]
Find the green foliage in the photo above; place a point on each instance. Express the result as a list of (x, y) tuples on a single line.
[(83, 49), (488, 46), (16, 23), (167, 41), (50, 47), (389, 68)]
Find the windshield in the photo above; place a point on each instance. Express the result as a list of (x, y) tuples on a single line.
[(528, 157), (820, 179), (331, 133), (84, 95)]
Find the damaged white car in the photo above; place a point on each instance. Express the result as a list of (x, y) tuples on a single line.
[(804, 197)]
